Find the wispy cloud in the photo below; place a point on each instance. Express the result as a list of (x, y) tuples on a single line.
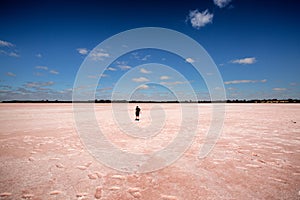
[(164, 78), (145, 71), (190, 60), (221, 3), (143, 87), (42, 67), (38, 84), (174, 83), (53, 72), (104, 89), (97, 76), (6, 44), (200, 19), (244, 81), (10, 74), (140, 79), (11, 54), (124, 67), (111, 69), (245, 61), (8, 52), (279, 89), (99, 54), (146, 57), (82, 51)]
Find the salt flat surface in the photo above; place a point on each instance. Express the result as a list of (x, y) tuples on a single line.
[(256, 157)]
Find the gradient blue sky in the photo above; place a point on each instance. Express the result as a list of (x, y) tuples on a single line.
[(255, 45)]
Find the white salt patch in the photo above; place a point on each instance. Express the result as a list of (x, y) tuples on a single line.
[(168, 197), (114, 188), (251, 165), (118, 177), (81, 167)]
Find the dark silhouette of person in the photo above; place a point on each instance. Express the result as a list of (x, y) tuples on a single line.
[(137, 113)]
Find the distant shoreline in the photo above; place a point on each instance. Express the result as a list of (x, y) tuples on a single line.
[(124, 101)]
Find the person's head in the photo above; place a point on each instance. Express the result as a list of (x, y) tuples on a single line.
[(137, 106)]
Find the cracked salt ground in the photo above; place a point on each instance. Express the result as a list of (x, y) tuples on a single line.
[(42, 157)]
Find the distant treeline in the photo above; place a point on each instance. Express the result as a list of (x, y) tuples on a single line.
[(125, 101)]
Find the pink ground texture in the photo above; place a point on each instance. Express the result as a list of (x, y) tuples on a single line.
[(257, 155)]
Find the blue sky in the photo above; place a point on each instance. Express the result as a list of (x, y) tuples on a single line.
[(255, 45)]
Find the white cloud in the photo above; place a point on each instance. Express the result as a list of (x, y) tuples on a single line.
[(97, 76), (12, 54), (82, 51), (140, 79), (189, 60), (6, 44), (10, 74), (124, 67), (143, 87), (111, 69), (221, 3), (53, 72), (145, 71), (279, 89), (38, 84), (244, 81), (245, 61), (174, 83), (99, 54), (146, 58), (42, 67), (200, 19), (164, 78)]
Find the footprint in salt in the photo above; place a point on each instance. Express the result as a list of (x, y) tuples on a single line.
[(55, 192), (81, 167), (88, 164), (31, 159), (5, 194), (59, 165), (82, 195), (99, 175), (27, 196), (135, 192), (98, 192), (92, 176)]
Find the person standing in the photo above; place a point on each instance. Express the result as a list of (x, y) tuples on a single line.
[(137, 113)]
